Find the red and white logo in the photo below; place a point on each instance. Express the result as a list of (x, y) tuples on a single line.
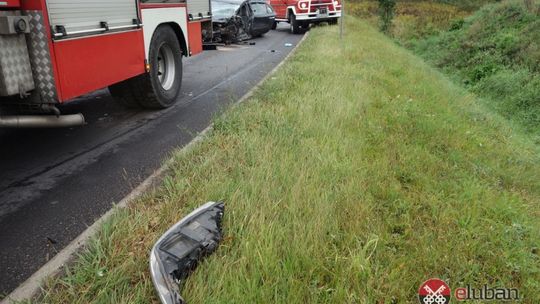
[(434, 291)]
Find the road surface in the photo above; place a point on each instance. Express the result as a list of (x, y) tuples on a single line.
[(54, 183)]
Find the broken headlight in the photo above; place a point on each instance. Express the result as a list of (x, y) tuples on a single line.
[(176, 254)]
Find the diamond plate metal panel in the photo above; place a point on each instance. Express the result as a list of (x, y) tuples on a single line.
[(40, 58), (15, 71)]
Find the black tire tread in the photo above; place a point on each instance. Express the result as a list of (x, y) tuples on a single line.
[(295, 25), (139, 91)]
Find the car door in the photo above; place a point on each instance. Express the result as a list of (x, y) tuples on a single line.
[(246, 14)]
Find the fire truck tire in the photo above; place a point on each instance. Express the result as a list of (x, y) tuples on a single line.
[(295, 25), (333, 21), (159, 88)]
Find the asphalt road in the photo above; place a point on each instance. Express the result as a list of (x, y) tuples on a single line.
[(54, 183)]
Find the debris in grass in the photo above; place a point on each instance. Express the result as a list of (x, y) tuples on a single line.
[(178, 252)]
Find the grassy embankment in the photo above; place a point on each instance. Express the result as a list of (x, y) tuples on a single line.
[(494, 52), (413, 19), (347, 181)]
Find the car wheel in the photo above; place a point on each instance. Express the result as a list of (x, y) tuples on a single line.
[(160, 87), (274, 25), (295, 25)]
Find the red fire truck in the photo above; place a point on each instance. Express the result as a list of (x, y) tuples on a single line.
[(301, 13), (52, 51)]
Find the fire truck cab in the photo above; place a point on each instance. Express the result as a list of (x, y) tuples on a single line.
[(52, 51), (301, 13)]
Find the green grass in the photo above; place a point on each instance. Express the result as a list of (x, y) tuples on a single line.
[(496, 54), (352, 175), (468, 4), (413, 19)]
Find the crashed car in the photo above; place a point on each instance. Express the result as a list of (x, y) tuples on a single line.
[(238, 20)]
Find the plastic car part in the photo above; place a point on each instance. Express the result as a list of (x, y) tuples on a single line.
[(178, 252)]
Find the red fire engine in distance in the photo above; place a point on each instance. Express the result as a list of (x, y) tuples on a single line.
[(301, 13)]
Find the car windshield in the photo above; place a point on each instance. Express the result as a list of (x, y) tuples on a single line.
[(225, 8)]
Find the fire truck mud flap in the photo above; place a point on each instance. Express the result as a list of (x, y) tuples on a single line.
[(177, 253)]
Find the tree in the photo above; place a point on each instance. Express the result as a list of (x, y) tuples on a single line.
[(386, 13)]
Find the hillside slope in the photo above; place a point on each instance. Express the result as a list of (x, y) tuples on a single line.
[(496, 53), (352, 175)]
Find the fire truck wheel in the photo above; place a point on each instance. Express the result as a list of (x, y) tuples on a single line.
[(161, 86), (333, 21), (295, 25)]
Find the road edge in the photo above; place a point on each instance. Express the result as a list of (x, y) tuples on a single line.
[(32, 286)]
